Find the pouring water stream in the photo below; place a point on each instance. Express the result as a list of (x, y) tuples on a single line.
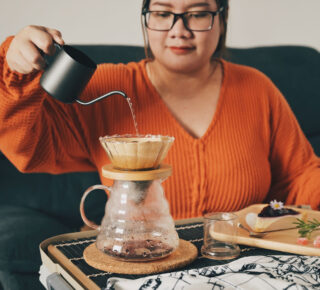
[(110, 94)]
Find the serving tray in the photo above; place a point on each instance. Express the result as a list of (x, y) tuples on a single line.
[(285, 241)]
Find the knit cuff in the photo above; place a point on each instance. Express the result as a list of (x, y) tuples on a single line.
[(12, 78)]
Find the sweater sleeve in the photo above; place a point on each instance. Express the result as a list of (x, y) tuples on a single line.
[(294, 165), (37, 133)]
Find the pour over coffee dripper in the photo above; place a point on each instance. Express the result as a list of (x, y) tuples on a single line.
[(137, 225), (128, 152)]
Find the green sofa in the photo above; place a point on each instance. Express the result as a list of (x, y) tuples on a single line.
[(34, 207)]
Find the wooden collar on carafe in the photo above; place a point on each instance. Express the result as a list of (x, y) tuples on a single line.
[(162, 172)]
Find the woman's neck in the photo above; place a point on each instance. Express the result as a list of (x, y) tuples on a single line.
[(173, 84)]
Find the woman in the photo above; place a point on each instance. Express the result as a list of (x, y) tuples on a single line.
[(236, 140)]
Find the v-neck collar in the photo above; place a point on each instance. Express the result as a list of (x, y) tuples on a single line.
[(170, 116)]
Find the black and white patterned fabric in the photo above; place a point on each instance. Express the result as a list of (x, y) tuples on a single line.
[(253, 272)]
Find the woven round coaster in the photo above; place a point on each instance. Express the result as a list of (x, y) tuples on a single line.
[(182, 256)]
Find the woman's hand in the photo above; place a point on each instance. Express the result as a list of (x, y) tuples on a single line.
[(24, 53)]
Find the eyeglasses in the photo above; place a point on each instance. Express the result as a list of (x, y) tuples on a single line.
[(192, 20)]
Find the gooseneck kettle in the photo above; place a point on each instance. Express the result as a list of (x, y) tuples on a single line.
[(66, 76)]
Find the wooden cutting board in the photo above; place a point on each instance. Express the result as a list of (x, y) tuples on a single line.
[(285, 241)]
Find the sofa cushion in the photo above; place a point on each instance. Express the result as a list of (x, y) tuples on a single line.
[(57, 195), (18, 281), (112, 53), (295, 70), (21, 232)]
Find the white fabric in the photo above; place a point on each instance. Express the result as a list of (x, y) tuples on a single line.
[(254, 272), (44, 273)]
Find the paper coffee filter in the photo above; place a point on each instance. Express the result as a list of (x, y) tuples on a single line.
[(136, 152)]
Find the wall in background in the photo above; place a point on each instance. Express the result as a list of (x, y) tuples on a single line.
[(80, 21), (269, 22), (251, 22)]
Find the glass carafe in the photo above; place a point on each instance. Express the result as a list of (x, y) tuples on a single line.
[(137, 225)]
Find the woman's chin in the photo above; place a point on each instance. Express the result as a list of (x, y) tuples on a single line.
[(182, 67)]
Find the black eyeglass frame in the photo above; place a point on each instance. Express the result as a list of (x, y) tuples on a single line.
[(182, 16)]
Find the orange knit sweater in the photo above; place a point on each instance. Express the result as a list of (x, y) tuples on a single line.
[(253, 150)]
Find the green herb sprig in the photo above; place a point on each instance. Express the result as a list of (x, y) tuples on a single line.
[(308, 227)]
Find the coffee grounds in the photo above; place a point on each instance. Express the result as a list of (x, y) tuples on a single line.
[(142, 250)]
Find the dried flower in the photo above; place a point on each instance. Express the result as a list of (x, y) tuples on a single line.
[(302, 241), (276, 205), (316, 242)]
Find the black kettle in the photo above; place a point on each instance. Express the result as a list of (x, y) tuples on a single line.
[(66, 76)]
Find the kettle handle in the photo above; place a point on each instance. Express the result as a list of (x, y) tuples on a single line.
[(84, 196)]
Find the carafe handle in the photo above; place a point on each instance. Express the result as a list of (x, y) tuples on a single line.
[(84, 196)]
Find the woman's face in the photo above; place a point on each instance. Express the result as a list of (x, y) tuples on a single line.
[(182, 50)]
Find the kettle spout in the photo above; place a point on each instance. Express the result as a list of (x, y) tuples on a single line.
[(102, 97)]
